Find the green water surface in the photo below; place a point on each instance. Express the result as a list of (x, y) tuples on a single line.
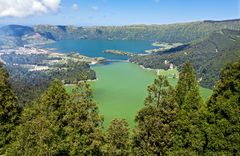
[(122, 87)]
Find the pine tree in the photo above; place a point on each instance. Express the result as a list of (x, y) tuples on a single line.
[(189, 137), (117, 139), (82, 122), (157, 92), (9, 111), (187, 79), (154, 132), (40, 132), (224, 117)]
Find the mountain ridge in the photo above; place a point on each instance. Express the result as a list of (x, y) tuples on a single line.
[(177, 32), (208, 55)]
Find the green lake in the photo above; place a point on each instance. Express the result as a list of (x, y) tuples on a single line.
[(121, 89), (121, 86)]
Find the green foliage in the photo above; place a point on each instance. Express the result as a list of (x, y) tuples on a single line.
[(72, 71), (172, 122), (40, 132), (208, 55), (60, 124), (189, 136), (224, 113), (154, 131), (9, 111), (157, 92), (117, 139), (16, 35), (28, 85), (183, 32), (82, 123), (187, 80)]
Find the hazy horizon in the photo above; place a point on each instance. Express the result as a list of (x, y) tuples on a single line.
[(1, 25)]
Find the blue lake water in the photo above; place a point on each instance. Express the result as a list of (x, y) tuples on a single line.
[(95, 48)]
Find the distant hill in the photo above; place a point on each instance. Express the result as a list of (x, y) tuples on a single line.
[(180, 32), (16, 30), (230, 20), (208, 55), (12, 36)]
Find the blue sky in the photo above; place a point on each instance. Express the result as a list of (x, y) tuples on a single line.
[(120, 12)]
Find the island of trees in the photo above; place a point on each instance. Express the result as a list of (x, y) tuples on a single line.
[(118, 52)]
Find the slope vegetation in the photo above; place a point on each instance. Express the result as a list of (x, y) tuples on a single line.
[(208, 55), (180, 32)]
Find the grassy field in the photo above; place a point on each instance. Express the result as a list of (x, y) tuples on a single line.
[(122, 87)]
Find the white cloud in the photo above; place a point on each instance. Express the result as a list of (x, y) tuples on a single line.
[(22, 8), (157, 1), (95, 8), (52, 4), (75, 7)]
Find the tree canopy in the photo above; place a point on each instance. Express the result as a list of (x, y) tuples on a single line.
[(173, 121), (154, 131), (9, 111), (224, 113)]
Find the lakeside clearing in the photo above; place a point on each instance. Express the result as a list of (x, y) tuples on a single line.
[(162, 46)]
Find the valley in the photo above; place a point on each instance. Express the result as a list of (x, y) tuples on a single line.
[(119, 78), (121, 86), (121, 68)]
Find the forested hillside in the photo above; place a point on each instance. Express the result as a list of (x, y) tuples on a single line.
[(173, 121), (17, 35), (12, 36), (180, 32), (28, 85), (208, 55)]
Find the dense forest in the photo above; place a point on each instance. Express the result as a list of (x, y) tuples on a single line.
[(173, 121), (30, 84), (208, 55)]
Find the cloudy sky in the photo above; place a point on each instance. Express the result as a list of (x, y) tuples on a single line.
[(115, 12)]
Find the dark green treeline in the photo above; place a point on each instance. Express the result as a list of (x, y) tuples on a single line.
[(173, 121)]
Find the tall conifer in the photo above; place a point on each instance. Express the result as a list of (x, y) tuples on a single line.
[(189, 137), (82, 123), (154, 131), (40, 132), (117, 138), (224, 117), (9, 111), (187, 79)]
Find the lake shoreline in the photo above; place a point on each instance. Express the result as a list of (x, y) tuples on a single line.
[(103, 61), (120, 84)]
